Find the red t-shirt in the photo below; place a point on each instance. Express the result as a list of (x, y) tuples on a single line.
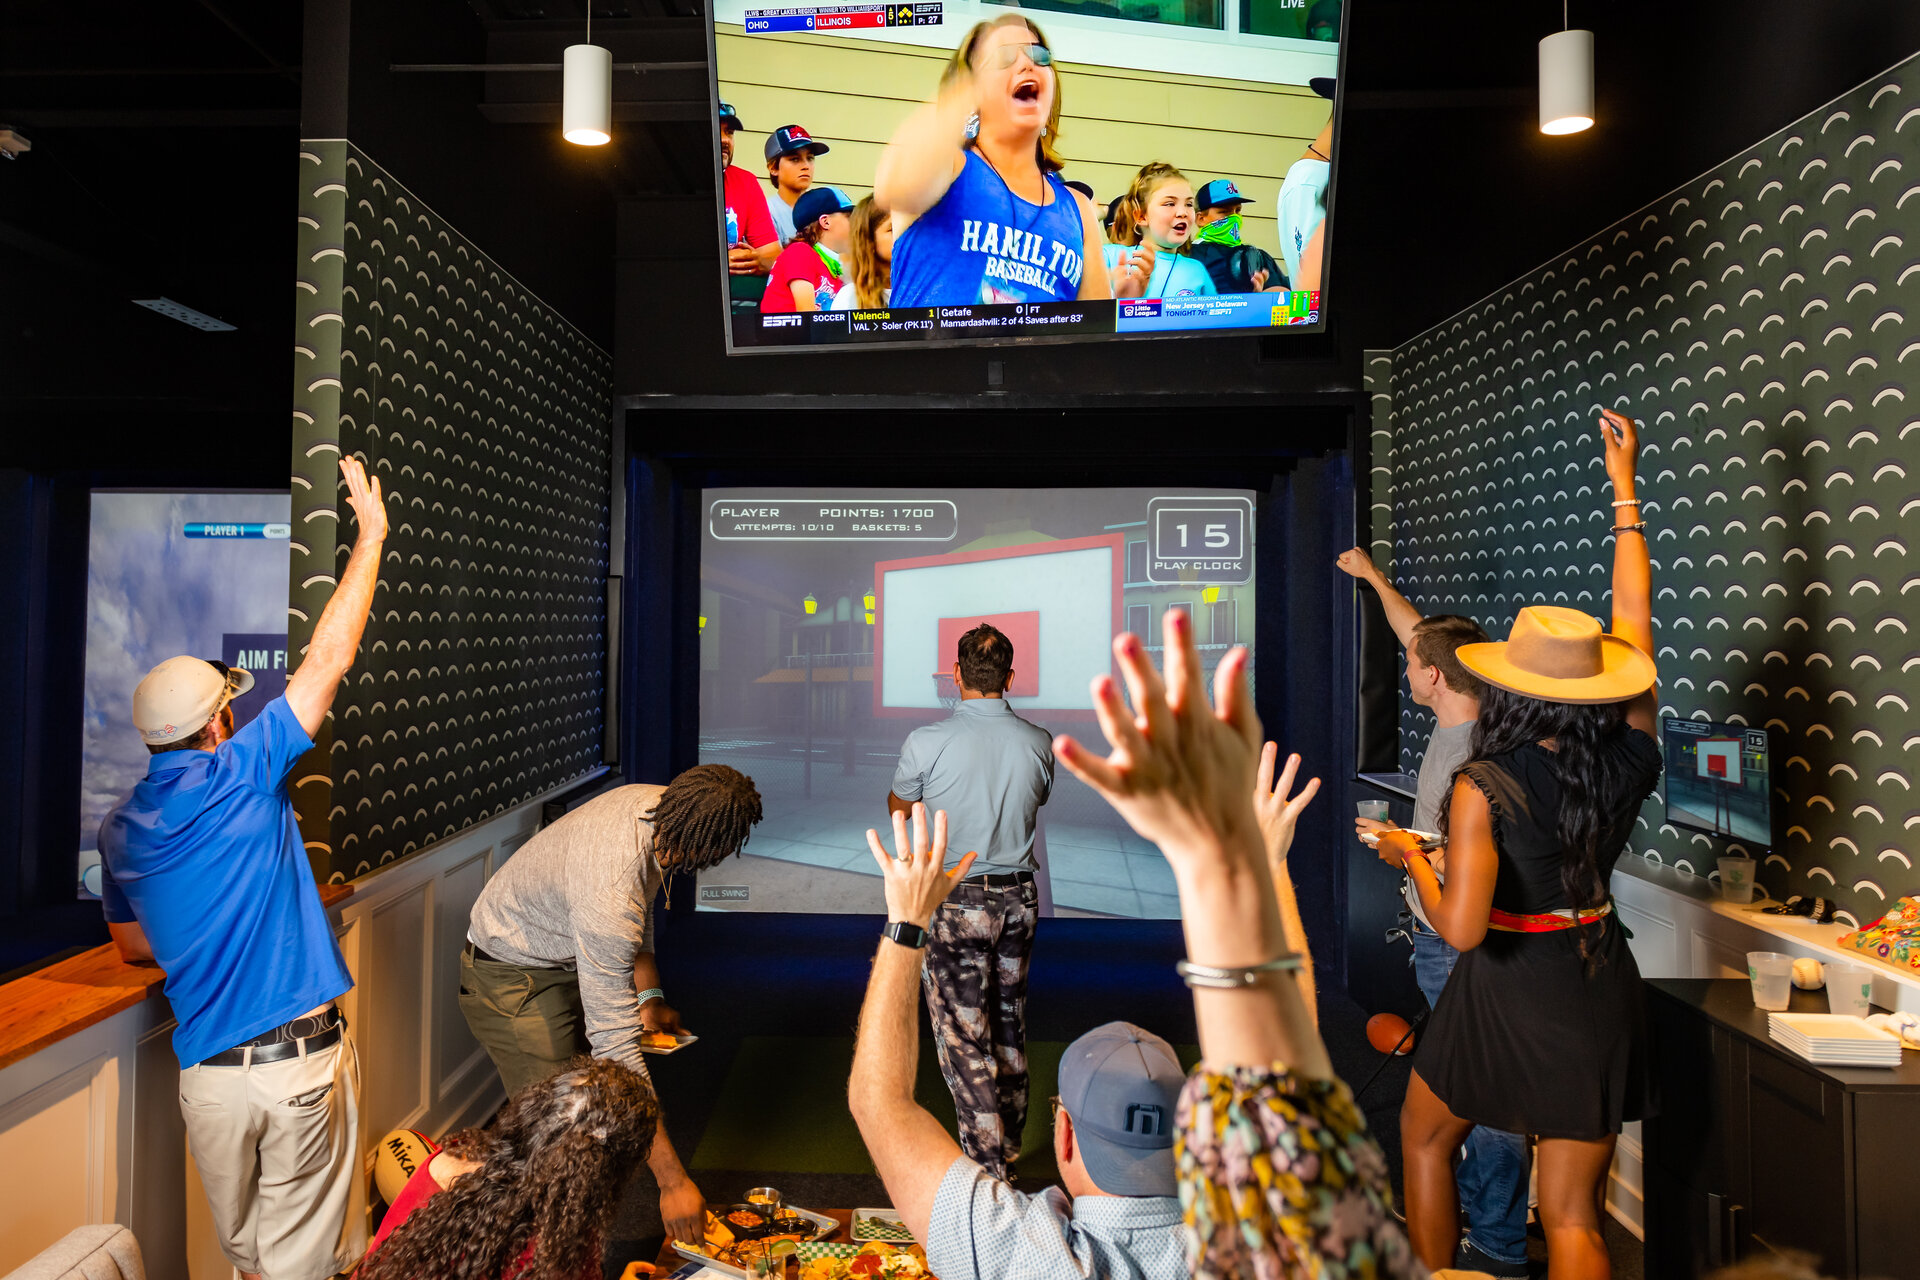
[(748, 200), (798, 261), (421, 1188)]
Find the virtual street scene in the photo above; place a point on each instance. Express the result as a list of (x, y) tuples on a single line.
[(1717, 779), (168, 574), (828, 625)]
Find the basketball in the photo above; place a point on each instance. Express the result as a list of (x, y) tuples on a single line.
[(401, 1154), (1384, 1031)]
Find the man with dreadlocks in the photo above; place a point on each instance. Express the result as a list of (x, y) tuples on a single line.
[(559, 956)]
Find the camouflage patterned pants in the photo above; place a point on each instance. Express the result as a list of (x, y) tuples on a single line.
[(976, 984)]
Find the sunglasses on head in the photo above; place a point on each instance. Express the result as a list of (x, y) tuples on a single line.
[(1000, 57)]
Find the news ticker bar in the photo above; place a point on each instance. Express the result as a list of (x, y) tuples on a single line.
[(847, 17), (1034, 319), (210, 530)]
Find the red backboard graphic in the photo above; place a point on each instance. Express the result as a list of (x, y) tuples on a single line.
[(1022, 629)]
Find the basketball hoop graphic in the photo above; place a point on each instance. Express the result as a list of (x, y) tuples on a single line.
[(946, 689)]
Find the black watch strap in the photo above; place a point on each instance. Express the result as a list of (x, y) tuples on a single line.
[(907, 935)]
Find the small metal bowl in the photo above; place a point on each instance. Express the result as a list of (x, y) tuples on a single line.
[(766, 1199)]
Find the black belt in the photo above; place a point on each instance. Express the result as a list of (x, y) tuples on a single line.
[(284, 1041), (474, 951), (1000, 879)]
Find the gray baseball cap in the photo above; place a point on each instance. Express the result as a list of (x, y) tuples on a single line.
[(179, 696), (1120, 1084)]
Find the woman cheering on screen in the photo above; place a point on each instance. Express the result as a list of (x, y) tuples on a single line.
[(1541, 1028), (972, 181)]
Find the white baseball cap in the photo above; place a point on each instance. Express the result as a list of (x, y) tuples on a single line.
[(179, 696)]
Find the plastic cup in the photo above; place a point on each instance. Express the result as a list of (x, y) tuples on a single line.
[(1736, 879), (1771, 973), (1375, 809), (1849, 990)]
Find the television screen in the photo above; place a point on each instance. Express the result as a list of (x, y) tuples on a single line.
[(168, 574), (828, 626), (1717, 779), (947, 171)]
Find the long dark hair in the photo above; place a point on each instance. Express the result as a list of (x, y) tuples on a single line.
[(552, 1167), (1594, 789)]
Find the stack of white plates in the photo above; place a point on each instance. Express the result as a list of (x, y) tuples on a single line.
[(1835, 1040)]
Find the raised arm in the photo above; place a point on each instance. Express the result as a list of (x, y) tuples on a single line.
[(925, 154), (1632, 570), (911, 1150), (1182, 774), (1401, 615), (1279, 812), (336, 637)]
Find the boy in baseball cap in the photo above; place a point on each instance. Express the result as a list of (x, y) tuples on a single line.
[(1235, 266), (811, 270), (790, 153)]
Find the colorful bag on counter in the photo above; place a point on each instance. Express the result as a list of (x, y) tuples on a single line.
[(1893, 939)]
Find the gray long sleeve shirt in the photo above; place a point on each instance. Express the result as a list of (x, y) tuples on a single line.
[(579, 895)]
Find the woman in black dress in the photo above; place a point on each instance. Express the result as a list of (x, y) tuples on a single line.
[(1540, 1029)]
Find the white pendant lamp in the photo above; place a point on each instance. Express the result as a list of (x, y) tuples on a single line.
[(586, 96), (1566, 80)]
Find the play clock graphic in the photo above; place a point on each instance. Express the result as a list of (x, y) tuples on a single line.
[(1200, 539)]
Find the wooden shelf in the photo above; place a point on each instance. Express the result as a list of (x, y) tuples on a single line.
[(53, 1003)]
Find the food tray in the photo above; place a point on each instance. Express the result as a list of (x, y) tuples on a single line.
[(879, 1224), (692, 1254), (1372, 838), (680, 1042)]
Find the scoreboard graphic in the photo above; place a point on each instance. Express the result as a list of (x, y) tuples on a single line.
[(827, 19)]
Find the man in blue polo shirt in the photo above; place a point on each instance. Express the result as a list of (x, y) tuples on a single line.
[(205, 875), (991, 771)]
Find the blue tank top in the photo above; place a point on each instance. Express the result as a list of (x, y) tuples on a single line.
[(983, 243)]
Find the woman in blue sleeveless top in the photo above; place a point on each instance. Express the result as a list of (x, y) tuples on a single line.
[(972, 180)]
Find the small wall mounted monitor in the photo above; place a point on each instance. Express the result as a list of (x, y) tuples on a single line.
[(1718, 779), (1205, 131)]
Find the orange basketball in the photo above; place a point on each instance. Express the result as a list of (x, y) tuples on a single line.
[(1384, 1031)]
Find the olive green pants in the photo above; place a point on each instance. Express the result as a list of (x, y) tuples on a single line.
[(530, 1020)]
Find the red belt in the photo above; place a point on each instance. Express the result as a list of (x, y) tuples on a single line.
[(1546, 922)]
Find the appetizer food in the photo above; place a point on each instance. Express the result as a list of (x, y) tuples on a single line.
[(877, 1260), (658, 1040)]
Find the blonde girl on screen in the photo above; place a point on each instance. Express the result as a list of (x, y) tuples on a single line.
[(870, 261), (1153, 224)]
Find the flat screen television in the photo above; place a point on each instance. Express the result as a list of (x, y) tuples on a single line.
[(828, 624), (168, 574), (1718, 779), (879, 188)]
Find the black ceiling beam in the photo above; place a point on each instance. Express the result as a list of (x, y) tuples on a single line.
[(151, 117)]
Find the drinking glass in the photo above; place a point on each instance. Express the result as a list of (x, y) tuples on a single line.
[(1375, 809), (1771, 973), (1849, 990), (1736, 879)]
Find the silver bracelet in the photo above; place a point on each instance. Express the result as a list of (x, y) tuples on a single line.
[(1626, 502), (1204, 975)]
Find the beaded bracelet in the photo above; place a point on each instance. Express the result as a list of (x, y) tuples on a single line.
[(1626, 502)]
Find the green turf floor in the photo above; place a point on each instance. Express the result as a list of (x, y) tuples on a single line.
[(783, 1107)]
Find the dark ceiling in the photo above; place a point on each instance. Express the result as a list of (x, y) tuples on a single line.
[(164, 136)]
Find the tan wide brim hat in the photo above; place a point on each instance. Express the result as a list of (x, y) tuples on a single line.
[(178, 697), (1561, 655)]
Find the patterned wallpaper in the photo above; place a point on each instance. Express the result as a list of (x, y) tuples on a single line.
[(1757, 322), (488, 420)]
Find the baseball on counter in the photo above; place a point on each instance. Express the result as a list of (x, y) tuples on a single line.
[(1808, 975)]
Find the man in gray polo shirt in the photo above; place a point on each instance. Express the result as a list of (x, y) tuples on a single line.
[(990, 771), (1118, 1217), (559, 958)]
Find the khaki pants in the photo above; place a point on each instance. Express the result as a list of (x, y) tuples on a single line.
[(530, 1020), (277, 1147)]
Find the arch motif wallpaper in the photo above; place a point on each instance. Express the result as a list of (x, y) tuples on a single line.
[(488, 419), (1761, 323)]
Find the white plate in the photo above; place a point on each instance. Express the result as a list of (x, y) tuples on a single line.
[(1819, 1027), (1372, 838), (885, 1215), (680, 1041), (692, 1254)]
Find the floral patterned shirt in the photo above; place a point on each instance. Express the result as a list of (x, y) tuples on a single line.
[(1279, 1178)]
